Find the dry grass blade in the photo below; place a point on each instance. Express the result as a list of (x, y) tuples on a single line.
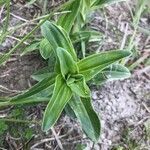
[(57, 139)]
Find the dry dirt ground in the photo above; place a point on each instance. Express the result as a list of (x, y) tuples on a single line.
[(123, 106)]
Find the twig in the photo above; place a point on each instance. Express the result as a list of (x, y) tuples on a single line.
[(18, 17), (44, 141), (57, 139), (14, 38), (124, 37), (141, 121), (146, 107), (2, 8), (6, 90), (26, 143)]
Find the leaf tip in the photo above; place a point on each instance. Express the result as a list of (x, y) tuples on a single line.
[(128, 53), (45, 127)]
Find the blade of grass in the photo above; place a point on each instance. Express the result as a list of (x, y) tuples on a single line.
[(7, 101), (5, 27), (140, 60), (136, 20), (19, 121)]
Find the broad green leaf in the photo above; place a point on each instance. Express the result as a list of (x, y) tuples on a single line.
[(92, 65), (45, 49), (78, 85), (29, 48), (36, 88), (58, 38), (86, 115), (66, 21), (67, 64), (114, 72), (61, 95), (69, 111)]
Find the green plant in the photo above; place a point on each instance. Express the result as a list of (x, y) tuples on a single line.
[(3, 127), (68, 81), (17, 126), (75, 21)]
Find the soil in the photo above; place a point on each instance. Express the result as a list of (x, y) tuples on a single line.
[(123, 106)]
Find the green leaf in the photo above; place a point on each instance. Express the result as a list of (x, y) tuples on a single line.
[(45, 49), (36, 88), (46, 92), (101, 3), (29, 100), (29, 48), (92, 65), (86, 115), (42, 74), (114, 72), (66, 21), (87, 3), (58, 38), (67, 64), (69, 111), (4, 58), (3, 127), (42, 96), (28, 133), (78, 85), (85, 36), (2, 2), (60, 97)]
